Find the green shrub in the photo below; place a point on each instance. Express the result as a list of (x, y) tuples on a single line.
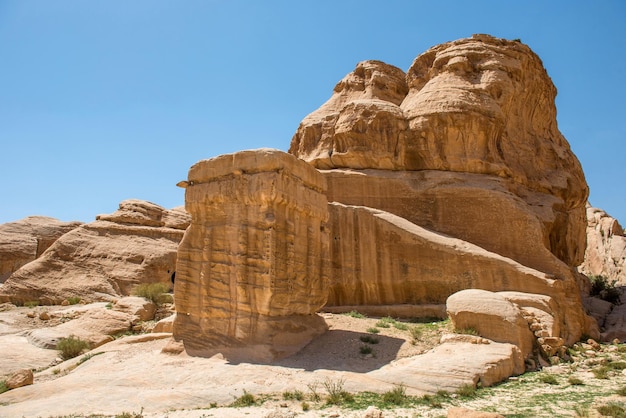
[(400, 325), (573, 380), (368, 339), (295, 395), (130, 414), (247, 399), (336, 394), (549, 379), (305, 406), (373, 330), (416, 334), (617, 365), (71, 347), (365, 349), (3, 386), (396, 396), (73, 300), (466, 331), (385, 322), (31, 303), (604, 289), (622, 391), (156, 292), (601, 372), (467, 391), (612, 409), (355, 314)]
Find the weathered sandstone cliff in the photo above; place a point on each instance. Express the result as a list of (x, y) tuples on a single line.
[(23, 241), (465, 144), (253, 265), (105, 259), (606, 247)]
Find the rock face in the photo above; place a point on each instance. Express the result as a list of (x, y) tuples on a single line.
[(253, 265), (23, 241), (606, 247), (465, 144), (105, 259)]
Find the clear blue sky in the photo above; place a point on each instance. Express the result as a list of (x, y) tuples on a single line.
[(102, 101)]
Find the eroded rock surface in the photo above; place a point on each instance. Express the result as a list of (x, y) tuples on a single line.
[(23, 241), (253, 266), (606, 247), (105, 259)]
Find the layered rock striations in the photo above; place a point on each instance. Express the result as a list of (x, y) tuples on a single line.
[(104, 259), (23, 241), (253, 265), (466, 144)]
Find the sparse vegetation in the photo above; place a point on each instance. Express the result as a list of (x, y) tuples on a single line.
[(366, 349), (466, 331), (314, 396), (130, 414), (355, 314), (31, 303), (416, 334), (621, 391), (612, 409), (601, 372), (73, 300), (466, 391), (87, 357), (373, 330), (296, 395), (396, 396), (400, 325), (368, 339), (305, 406), (549, 379), (604, 289), (3, 386), (71, 347), (575, 381), (156, 292), (247, 399), (336, 394)]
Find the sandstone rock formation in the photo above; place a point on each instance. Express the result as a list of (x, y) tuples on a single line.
[(105, 259), (465, 144), (20, 378), (23, 241), (253, 265), (606, 247)]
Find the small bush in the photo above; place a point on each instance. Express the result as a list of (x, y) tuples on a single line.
[(31, 303), (3, 386), (416, 334), (467, 391), (305, 406), (247, 399), (549, 379), (466, 331), (130, 414), (396, 396), (73, 300), (373, 330), (355, 314), (336, 394), (71, 347), (601, 372), (400, 325), (573, 380), (432, 401), (314, 396), (156, 292), (295, 395), (368, 339), (612, 409), (622, 391), (617, 365), (385, 322), (604, 289), (365, 349)]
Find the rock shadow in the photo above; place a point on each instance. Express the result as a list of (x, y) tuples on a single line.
[(341, 350)]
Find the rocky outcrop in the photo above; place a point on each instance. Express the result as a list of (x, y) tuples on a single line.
[(606, 247), (105, 259), (23, 241), (253, 265), (467, 146), (481, 106)]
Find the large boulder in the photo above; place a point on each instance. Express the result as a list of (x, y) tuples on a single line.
[(23, 241), (105, 259), (253, 265)]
